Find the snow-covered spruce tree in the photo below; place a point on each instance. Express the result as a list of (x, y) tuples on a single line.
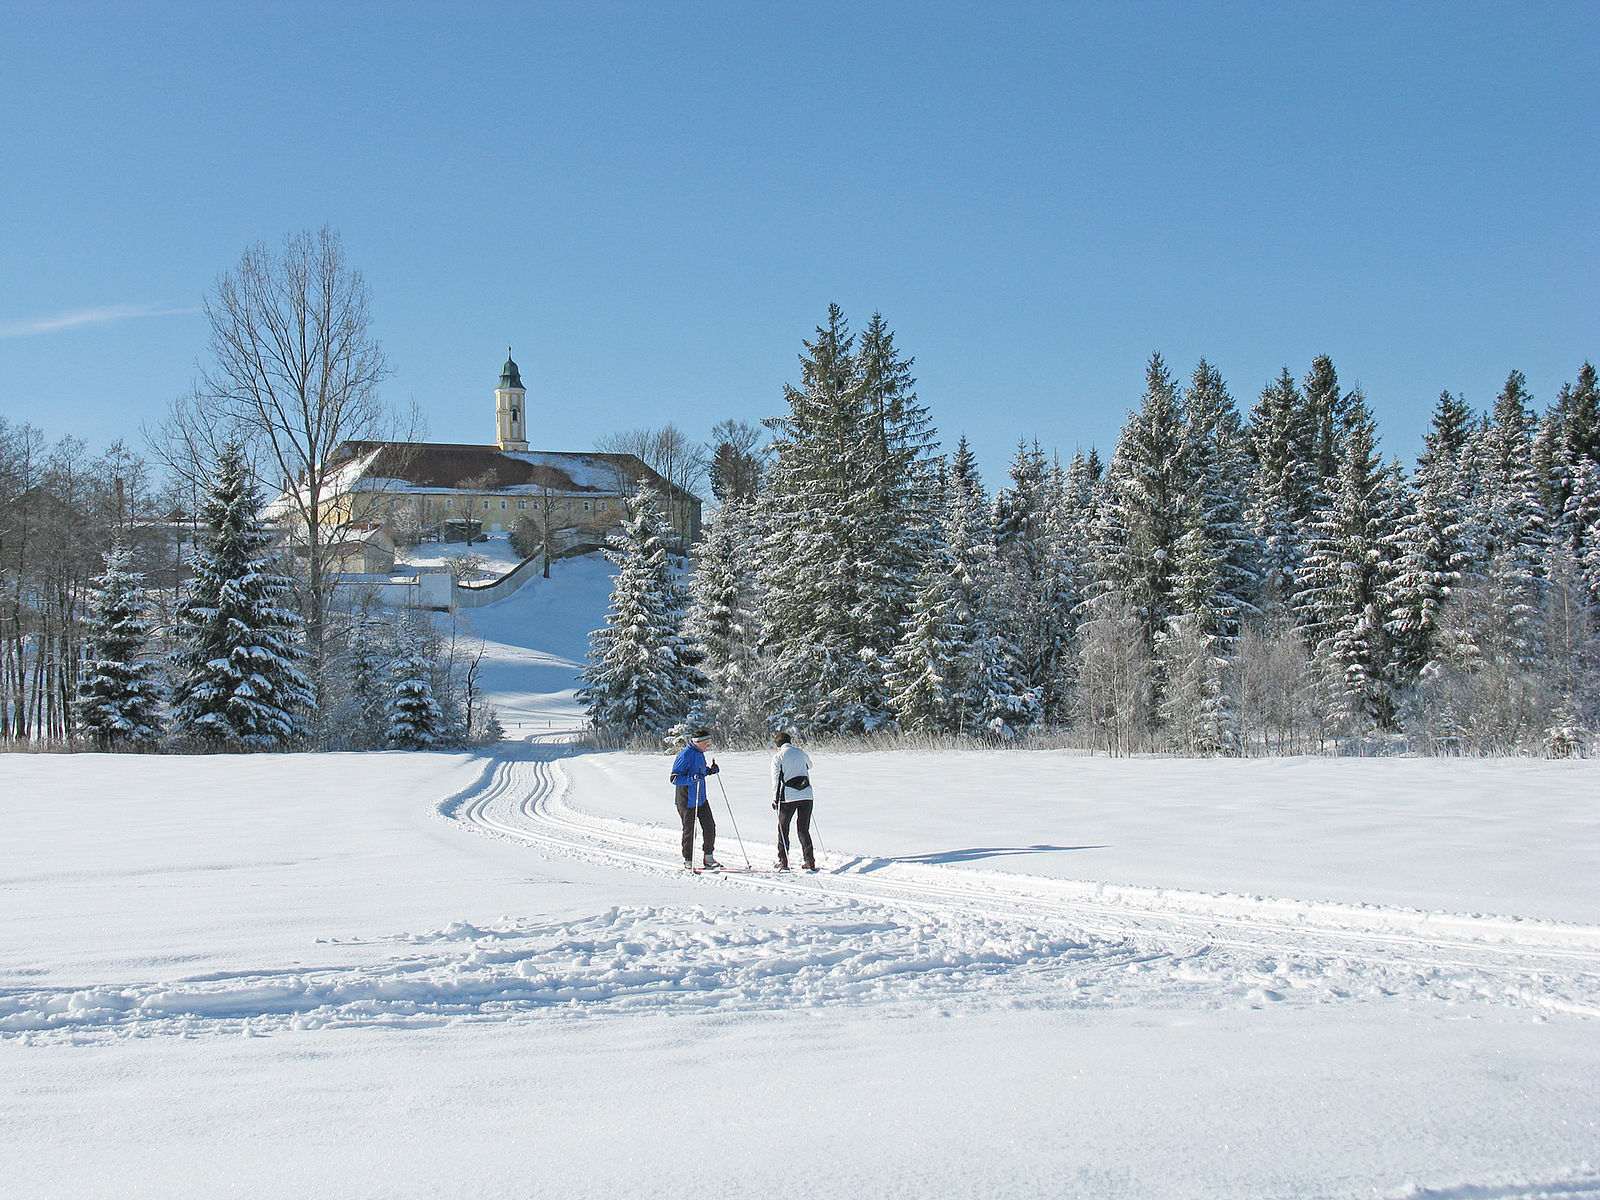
[(119, 689), (1034, 599), (1114, 673), (1286, 486), (1195, 715), (1582, 519), (923, 679), (237, 677), (1431, 540), (641, 678), (415, 718), (1512, 530), (848, 512), (1216, 478), (956, 670), (723, 622), (1147, 483), (1483, 686), (1345, 583), (1328, 417), (1575, 441), (361, 717), (1075, 522)]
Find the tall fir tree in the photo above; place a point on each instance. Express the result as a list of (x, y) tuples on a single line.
[(956, 670), (1218, 545), (1510, 530), (723, 622), (1431, 539), (1345, 592), (119, 688), (1033, 600), (238, 680), (848, 509), (1328, 414), (367, 662), (641, 678), (1284, 496), (1571, 503), (1147, 481)]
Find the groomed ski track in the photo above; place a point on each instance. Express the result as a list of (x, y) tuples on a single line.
[(1312, 950)]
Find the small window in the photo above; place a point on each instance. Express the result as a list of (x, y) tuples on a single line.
[(585, 506), (522, 504), (502, 504), (485, 506), (449, 501)]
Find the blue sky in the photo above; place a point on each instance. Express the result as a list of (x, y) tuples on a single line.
[(654, 204)]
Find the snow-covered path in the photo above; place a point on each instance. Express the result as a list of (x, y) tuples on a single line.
[(316, 975), (1186, 947)]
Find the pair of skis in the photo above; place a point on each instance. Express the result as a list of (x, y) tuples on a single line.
[(750, 870)]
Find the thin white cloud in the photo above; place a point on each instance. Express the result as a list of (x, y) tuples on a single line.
[(34, 326)]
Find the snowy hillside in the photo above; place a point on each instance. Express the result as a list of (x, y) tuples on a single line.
[(536, 641), (402, 975)]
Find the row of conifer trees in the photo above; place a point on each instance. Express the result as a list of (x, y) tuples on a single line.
[(1224, 584)]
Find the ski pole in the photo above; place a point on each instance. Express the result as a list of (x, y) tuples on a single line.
[(735, 821)]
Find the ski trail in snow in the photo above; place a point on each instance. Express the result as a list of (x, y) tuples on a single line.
[(1286, 945), (905, 938)]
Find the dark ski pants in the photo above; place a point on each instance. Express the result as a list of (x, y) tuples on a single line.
[(708, 824), (788, 810)]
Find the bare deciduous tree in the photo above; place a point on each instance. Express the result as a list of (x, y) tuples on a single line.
[(296, 367), (736, 461), (670, 454), (1114, 678)]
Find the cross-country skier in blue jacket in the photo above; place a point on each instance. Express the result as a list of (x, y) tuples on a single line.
[(689, 771)]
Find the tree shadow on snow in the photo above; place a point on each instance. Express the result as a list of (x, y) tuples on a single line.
[(977, 852)]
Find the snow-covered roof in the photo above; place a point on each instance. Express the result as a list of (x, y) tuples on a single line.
[(443, 467)]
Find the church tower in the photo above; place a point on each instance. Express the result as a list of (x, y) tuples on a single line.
[(510, 411)]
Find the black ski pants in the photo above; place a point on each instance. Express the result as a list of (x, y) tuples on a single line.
[(708, 824), (788, 810)]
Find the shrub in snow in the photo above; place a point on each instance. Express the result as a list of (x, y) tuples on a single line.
[(1564, 738), (416, 718)]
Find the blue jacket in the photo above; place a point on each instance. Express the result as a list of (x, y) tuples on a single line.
[(689, 770)]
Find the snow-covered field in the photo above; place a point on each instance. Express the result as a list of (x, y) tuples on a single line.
[(1018, 975)]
